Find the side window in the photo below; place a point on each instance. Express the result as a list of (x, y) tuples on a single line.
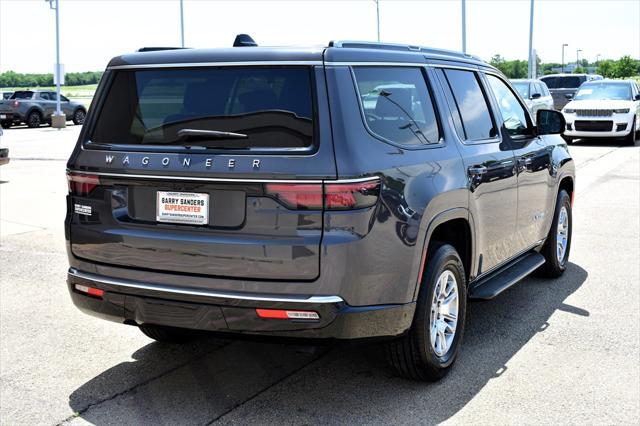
[(45, 96), (397, 104), (536, 89), (64, 98), (513, 114), (472, 104), (545, 89), (551, 82), (455, 113)]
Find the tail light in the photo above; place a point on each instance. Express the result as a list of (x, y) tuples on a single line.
[(16, 103), (91, 291), (81, 184), (331, 196)]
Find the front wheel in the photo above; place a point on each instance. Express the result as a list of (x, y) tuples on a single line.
[(429, 349), (558, 244), (78, 117), (631, 137)]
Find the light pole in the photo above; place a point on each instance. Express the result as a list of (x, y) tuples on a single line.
[(378, 18), (598, 60), (562, 66), (531, 60), (181, 23), (56, 121), (577, 52), (464, 27)]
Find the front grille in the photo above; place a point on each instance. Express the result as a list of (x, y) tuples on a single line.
[(593, 126), (594, 112)]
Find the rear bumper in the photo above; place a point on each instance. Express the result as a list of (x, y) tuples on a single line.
[(135, 302)]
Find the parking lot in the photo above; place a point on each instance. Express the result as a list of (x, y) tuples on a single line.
[(563, 351)]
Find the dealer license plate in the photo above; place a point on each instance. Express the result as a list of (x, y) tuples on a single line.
[(182, 207)]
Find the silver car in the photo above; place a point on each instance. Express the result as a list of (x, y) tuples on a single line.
[(535, 94)]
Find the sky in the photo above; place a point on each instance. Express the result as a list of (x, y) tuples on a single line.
[(94, 31)]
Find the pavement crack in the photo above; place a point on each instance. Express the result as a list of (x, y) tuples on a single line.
[(138, 385), (260, 392)]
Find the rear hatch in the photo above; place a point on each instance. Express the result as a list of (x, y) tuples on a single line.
[(212, 171)]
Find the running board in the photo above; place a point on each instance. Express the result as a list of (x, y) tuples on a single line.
[(497, 282)]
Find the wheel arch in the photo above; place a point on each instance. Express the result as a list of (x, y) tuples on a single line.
[(455, 227)]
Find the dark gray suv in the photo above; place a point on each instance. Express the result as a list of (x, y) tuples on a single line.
[(356, 191)]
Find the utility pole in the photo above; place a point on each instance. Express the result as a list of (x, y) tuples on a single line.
[(577, 60), (181, 23), (56, 121), (531, 58), (464, 27), (378, 18), (562, 67)]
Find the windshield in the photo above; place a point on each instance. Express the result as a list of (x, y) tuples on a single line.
[(523, 88), (608, 91), (271, 107)]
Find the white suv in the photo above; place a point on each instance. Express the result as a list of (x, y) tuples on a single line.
[(604, 109)]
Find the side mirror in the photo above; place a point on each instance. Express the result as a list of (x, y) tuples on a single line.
[(637, 97), (550, 122), (536, 96), (569, 96)]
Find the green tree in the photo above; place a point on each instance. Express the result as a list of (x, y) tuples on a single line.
[(625, 67), (579, 70), (606, 68)]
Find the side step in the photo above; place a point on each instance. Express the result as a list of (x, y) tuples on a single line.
[(497, 282)]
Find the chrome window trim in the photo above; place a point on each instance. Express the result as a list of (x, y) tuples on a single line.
[(214, 179), (193, 292), (212, 64)]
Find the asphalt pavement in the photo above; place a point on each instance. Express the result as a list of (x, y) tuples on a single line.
[(562, 351)]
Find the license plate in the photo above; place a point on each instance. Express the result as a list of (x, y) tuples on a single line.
[(182, 207), (3, 116)]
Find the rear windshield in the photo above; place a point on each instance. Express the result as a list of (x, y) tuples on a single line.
[(232, 108), (569, 82), (22, 95)]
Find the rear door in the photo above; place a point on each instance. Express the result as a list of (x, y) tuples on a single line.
[(212, 171), (490, 166)]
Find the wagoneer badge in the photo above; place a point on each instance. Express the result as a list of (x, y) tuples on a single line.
[(186, 162)]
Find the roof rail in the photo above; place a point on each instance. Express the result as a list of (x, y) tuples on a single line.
[(400, 47), (154, 49)]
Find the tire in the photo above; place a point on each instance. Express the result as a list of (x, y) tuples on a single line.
[(34, 119), (167, 334), (631, 137), (79, 116), (556, 262), (414, 356), (5, 124)]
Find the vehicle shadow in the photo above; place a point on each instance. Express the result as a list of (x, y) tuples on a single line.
[(602, 143), (345, 384)]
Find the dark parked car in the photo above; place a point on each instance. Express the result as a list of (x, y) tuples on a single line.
[(358, 191), (564, 86), (35, 107)]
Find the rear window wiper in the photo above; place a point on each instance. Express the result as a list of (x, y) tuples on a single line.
[(189, 133)]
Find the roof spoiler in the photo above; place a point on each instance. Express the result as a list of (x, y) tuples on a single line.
[(244, 40)]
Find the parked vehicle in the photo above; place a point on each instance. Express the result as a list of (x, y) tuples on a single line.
[(564, 86), (6, 95), (4, 152), (35, 107), (535, 93), (362, 190), (604, 109)]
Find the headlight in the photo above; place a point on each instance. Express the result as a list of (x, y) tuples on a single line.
[(569, 111), (621, 111)]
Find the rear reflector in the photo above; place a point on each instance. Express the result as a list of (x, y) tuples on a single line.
[(331, 196), (82, 184), (95, 292), (283, 314)]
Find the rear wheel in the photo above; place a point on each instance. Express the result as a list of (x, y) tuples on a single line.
[(429, 350), (34, 119), (78, 117), (558, 244), (5, 124), (167, 334)]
